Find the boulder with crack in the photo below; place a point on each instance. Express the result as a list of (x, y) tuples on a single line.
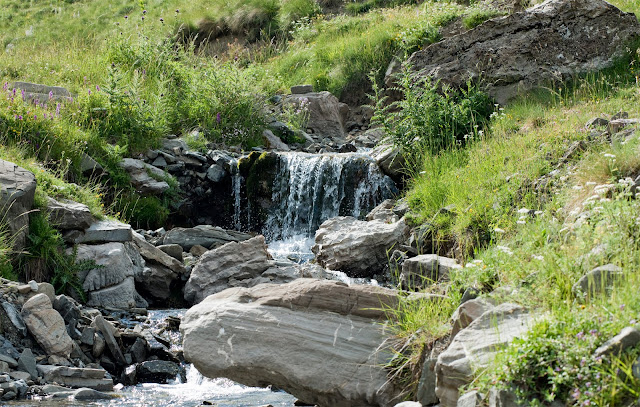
[(322, 341)]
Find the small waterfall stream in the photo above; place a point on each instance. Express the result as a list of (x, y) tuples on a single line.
[(310, 188)]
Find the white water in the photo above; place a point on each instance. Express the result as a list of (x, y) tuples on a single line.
[(197, 388), (312, 188)]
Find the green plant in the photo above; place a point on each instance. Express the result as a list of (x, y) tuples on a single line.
[(478, 16), (431, 118), (46, 260)]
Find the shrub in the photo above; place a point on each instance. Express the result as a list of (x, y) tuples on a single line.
[(45, 259), (430, 117)]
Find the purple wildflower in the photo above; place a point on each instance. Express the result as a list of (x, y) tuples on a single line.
[(35, 117), (14, 91), (144, 11), (19, 117), (57, 109), (593, 332), (89, 92), (98, 88), (162, 20), (50, 94), (218, 118), (125, 17), (6, 86), (580, 335), (22, 93)]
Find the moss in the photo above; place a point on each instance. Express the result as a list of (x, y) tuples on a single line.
[(261, 175)]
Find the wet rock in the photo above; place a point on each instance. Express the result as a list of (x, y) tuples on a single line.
[(67, 214), (356, 247), (423, 270), (475, 347), (203, 235), (77, 377), (68, 308), (47, 326), (390, 161), (216, 173), (157, 371), (107, 330), (505, 52), (17, 190), (274, 333), (232, 265), (85, 393)]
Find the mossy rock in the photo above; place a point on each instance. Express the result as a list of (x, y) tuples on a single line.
[(260, 178)]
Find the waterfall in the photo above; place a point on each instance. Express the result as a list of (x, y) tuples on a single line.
[(311, 188), (236, 189)]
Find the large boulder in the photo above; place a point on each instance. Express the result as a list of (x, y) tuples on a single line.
[(550, 42), (111, 285), (475, 347), (47, 326), (327, 115), (203, 235), (17, 190), (321, 341), (358, 248), (243, 264)]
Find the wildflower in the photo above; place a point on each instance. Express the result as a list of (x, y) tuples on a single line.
[(144, 11), (6, 86), (580, 335), (19, 117), (593, 332), (57, 109), (98, 88), (35, 117), (622, 307), (22, 93), (218, 118), (162, 20), (89, 92), (126, 17), (50, 94)]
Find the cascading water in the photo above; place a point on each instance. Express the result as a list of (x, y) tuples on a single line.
[(311, 188)]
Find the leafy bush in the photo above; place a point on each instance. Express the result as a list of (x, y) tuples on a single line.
[(45, 259), (431, 118)]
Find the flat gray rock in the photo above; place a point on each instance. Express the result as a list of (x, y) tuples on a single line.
[(321, 341), (67, 214), (17, 190), (101, 232)]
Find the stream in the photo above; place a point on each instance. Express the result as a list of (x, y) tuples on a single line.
[(308, 189)]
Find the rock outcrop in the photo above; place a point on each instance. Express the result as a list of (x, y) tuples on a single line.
[(551, 42), (243, 264), (358, 248), (475, 347), (65, 215), (147, 179), (111, 285), (17, 190), (321, 341)]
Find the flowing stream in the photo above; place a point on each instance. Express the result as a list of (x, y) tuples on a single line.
[(311, 188), (196, 389), (308, 189)]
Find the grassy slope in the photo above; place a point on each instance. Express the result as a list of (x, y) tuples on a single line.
[(539, 259)]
